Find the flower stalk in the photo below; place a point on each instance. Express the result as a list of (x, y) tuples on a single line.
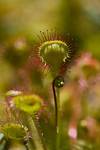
[(56, 84), (35, 135)]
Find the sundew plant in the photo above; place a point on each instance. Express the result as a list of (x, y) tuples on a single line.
[(50, 113), (49, 74), (55, 53)]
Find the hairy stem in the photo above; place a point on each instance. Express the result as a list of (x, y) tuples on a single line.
[(35, 135), (28, 146)]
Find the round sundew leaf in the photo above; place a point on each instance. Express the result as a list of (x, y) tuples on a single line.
[(54, 53), (28, 103), (14, 131)]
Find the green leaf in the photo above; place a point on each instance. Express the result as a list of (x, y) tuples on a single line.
[(14, 131), (28, 103)]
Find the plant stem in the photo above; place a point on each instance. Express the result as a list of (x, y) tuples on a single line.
[(55, 103), (57, 114), (28, 146), (35, 135), (58, 121), (15, 145)]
